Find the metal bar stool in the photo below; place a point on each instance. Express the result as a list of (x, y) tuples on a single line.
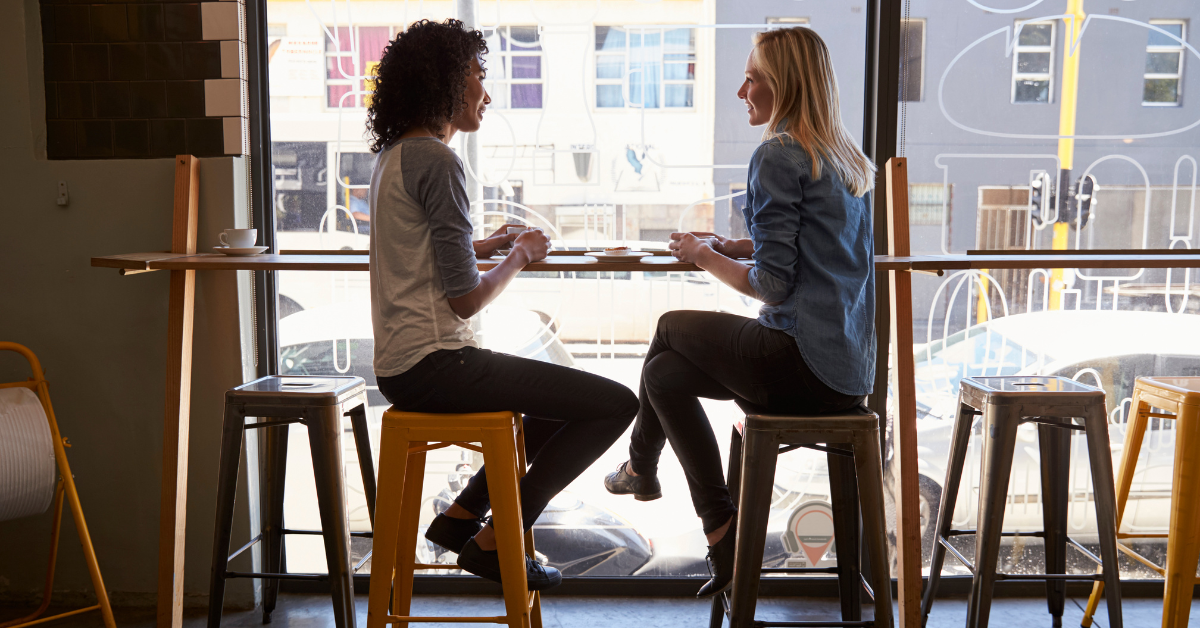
[(319, 403), (753, 455), (1179, 399), (404, 442), (1054, 404)]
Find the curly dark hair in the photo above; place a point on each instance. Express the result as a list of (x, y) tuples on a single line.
[(421, 79)]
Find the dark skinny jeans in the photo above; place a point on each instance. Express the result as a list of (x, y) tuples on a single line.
[(571, 417), (717, 356)]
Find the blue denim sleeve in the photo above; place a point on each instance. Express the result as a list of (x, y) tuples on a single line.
[(775, 189)]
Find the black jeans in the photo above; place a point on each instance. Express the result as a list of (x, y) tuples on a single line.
[(717, 356), (571, 417)]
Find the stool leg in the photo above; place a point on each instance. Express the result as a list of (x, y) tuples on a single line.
[(1183, 541), (760, 451), (393, 449), (410, 519), (869, 465), (1055, 446), (535, 611), (1135, 432), (324, 438), (499, 454), (843, 491), (959, 441), (274, 456), (227, 475), (1100, 455), (733, 474), (999, 442), (362, 443)]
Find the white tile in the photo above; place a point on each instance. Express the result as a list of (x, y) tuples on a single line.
[(231, 59), (221, 20), (223, 97), (235, 135)]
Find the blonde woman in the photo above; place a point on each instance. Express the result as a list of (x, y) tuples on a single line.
[(812, 347)]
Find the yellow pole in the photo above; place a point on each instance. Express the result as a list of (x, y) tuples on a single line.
[(1066, 145), (981, 304)]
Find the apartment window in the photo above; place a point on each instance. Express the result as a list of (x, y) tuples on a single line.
[(645, 67), (514, 67), (1164, 65), (1033, 64), (928, 203), (912, 73), (349, 62)]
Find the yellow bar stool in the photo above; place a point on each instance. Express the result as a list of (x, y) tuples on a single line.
[(406, 438), (1179, 397)]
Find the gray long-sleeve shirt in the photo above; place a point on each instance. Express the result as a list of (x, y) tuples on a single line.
[(421, 253)]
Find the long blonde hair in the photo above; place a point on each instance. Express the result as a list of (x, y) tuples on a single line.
[(795, 63)]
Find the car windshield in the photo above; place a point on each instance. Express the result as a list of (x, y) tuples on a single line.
[(978, 351)]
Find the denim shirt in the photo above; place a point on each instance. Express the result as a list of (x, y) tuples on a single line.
[(814, 263)]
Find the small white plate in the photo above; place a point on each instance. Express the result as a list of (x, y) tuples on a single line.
[(618, 256), (250, 250)]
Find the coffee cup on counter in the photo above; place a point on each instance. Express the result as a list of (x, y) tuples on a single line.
[(239, 238)]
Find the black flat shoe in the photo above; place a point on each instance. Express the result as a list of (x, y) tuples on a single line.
[(720, 562), (487, 565), (452, 533), (644, 488)]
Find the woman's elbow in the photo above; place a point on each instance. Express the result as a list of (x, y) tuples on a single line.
[(465, 306)]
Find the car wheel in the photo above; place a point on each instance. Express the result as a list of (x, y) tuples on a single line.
[(930, 500)]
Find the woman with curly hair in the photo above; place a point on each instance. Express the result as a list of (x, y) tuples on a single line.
[(425, 286)]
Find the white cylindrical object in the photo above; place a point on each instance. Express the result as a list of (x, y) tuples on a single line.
[(27, 469)]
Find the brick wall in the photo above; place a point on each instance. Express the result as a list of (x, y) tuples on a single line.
[(144, 79)]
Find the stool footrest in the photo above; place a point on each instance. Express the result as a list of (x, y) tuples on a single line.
[(1128, 551), (829, 450), (815, 624), (1049, 576), (276, 576), (395, 619), (416, 449), (434, 566), (800, 570), (361, 535)]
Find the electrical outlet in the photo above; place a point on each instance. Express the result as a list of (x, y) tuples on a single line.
[(63, 198)]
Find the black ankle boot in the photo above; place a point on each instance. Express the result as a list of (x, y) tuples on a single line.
[(720, 562), (452, 533), (644, 488)]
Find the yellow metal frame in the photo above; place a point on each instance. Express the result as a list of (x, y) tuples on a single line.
[(1182, 403), (405, 440), (66, 488)]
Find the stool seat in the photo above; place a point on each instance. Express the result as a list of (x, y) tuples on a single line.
[(1178, 398), (277, 402), (1060, 407), (753, 455), (298, 390), (405, 440)]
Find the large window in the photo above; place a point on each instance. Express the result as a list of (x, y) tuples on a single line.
[(632, 130), (912, 77), (987, 175), (1164, 64), (1033, 63), (645, 67)]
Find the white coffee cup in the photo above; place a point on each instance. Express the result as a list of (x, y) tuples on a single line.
[(517, 229), (239, 238)]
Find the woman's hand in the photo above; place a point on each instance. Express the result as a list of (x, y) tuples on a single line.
[(716, 242), (531, 245), (686, 247), (488, 246)]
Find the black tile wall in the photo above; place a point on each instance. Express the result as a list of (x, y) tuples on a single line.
[(185, 99), (145, 22), (131, 138), (125, 79), (127, 62), (148, 99), (182, 21), (112, 100)]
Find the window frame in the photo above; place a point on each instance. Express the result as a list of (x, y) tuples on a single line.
[(1178, 75), (625, 54), (492, 78), (1033, 76)]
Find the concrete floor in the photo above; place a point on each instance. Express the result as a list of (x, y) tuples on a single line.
[(312, 611)]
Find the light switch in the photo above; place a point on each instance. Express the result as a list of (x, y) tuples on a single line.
[(63, 199)]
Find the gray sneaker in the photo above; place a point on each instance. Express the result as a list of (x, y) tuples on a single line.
[(644, 488)]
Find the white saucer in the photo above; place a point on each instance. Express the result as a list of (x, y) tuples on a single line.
[(250, 250), (619, 256)]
